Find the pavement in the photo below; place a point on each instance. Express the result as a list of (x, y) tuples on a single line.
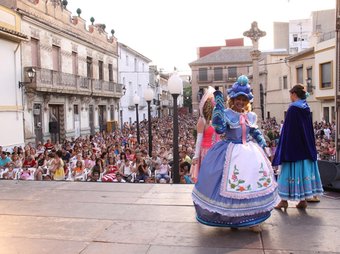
[(104, 218)]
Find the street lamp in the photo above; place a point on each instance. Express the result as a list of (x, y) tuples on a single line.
[(136, 100), (309, 85), (148, 96), (31, 74), (175, 85)]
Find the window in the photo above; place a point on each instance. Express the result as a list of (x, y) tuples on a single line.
[(35, 52), (112, 110), (74, 63), (75, 110), (295, 37), (56, 58), (232, 72), (136, 64), (285, 82), (127, 60), (333, 114), (100, 70), (326, 114), (299, 74), (76, 115), (203, 74), (218, 74), (326, 75), (200, 94), (89, 67), (110, 72)]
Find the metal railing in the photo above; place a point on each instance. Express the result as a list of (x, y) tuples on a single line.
[(65, 83)]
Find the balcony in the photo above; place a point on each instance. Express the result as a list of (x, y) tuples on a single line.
[(64, 83), (216, 79)]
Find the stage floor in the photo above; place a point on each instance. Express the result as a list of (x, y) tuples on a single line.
[(103, 218)]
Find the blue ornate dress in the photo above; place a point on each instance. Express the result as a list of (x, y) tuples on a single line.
[(236, 185), (296, 153)]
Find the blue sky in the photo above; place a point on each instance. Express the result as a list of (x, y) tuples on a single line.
[(170, 31)]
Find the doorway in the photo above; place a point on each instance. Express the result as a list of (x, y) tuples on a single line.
[(91, 119), (57, 123), (37, 116), (102, 117)]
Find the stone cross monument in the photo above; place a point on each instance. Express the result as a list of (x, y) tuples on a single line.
[(255, 34)]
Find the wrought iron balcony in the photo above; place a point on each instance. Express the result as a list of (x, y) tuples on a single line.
[(64, 83)]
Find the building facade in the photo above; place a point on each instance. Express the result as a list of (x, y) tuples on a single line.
[(75, 90), (313, 67), (134, 76), (219, 69), (11, 109), (305, 55)]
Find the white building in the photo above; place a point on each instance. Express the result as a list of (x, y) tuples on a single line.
[(11, 110), (134, 75), (299, 33)]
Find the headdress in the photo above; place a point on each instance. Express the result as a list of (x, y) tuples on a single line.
[(208, 94), (241, 87)]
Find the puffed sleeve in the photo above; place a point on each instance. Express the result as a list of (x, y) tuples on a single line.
[(257, 135), (218, 118)]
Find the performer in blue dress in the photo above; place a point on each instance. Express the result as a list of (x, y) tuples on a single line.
[(236, 185), (296, 153)]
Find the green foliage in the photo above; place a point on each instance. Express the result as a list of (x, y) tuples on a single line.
[(187, 95)]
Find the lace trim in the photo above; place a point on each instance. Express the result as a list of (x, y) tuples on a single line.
[(236, 211)]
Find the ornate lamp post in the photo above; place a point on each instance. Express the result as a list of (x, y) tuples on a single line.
[(148, 96), (175, 86), (136, 100), (255, 34), (31, 74)]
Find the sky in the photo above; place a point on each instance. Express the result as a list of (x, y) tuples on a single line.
[(169, 31)]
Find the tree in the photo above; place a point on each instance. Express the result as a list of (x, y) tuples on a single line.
[(187, 97)]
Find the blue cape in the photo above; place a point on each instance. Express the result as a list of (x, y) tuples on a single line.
[(297, 140)]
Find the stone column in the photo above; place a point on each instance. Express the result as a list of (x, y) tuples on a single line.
[(255, 34)]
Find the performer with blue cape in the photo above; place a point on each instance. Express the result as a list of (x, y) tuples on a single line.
[(296, 153)]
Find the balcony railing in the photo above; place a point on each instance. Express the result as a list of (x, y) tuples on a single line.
[(216, 79), (64, 83)]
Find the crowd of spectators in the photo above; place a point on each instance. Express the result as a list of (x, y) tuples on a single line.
[(106, 157), (324, 138), (117, 157)]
